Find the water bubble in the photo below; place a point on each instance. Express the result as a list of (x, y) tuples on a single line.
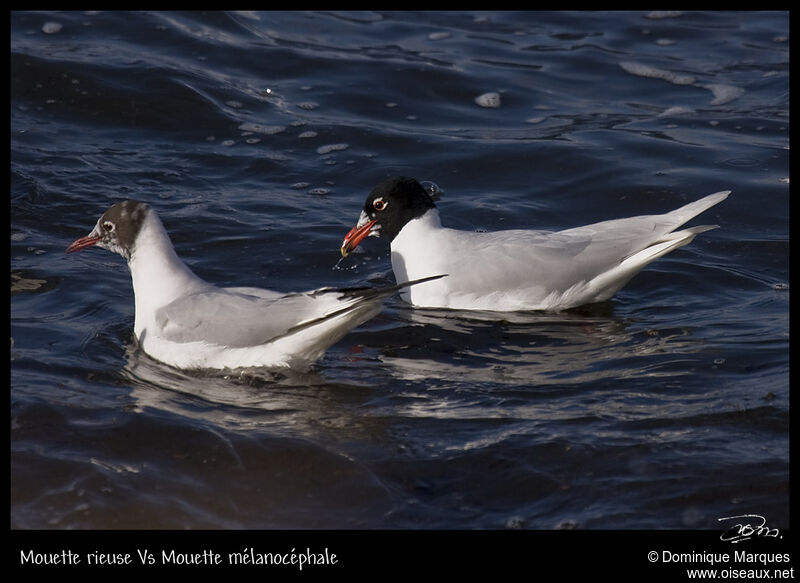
[(261, 129), (52, 27), (431, 188), (351, 267), (327, 149), (491, 99)]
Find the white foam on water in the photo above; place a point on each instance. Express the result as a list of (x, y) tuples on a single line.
[(641, 70), (327, 149), (722, 93)]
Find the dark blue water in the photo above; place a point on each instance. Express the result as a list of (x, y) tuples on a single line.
[(257, 136)]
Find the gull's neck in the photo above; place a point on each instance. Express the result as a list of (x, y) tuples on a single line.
[(415, 250), (158, 274), (427, 221)]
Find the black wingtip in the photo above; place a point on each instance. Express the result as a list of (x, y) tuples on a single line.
[(370, 292), (361, 295), (421, 280)]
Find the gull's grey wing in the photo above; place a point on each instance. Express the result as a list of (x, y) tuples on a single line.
[(555, 260), (236, 318), (241, 317)]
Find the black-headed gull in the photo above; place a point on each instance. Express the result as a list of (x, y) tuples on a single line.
[(188, 323), (515, 269)]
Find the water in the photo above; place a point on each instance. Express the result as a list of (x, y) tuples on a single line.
[(257, 136)]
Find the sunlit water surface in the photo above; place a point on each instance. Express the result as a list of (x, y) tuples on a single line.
[(256, 136)]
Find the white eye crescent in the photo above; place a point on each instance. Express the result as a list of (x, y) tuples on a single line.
[(379, 204), (108, 226)]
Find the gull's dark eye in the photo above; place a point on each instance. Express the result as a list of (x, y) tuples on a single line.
[(108, 226), (379, 204)]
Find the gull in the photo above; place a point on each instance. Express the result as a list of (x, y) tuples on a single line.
[(185, 322), (514, 270)]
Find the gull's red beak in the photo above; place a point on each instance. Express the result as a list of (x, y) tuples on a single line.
[(83, 243), (354, 237)]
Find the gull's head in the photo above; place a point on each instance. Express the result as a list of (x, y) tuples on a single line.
[(117, 229), (389, 206)]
